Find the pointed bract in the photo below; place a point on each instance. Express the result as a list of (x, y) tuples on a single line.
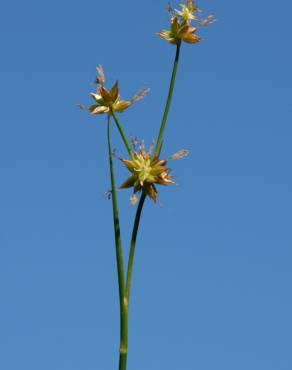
[(115, 91), (121, 105)]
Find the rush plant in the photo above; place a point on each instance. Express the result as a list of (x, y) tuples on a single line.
[(146, 168)]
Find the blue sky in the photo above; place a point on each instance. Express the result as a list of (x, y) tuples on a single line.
[(212, 279)]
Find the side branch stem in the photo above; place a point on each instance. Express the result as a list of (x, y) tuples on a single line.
[(168, 101), (120, 263), (118, 242), (123, 136), (143, 196), (133, 245)]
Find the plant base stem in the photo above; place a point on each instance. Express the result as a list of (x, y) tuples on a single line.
[(123, 361), (124, 336)]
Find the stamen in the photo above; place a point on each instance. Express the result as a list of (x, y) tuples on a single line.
[(141, 94), (180, 154)]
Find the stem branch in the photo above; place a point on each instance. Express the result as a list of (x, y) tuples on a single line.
[(123, 136), (133, 245), (168, 101), (119, 258)]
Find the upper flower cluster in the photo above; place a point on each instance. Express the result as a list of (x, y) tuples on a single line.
[(181, 28), (108, 101)]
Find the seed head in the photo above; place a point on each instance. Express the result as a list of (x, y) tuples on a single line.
[(147, 171)]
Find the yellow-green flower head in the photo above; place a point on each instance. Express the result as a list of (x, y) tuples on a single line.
[(181, 29), (147, 170), (108, 101), (187, 12), (180, 32)]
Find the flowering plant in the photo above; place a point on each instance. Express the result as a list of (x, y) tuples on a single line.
[(147, 169)]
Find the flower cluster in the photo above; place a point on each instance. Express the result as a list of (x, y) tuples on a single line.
[(108, 101), (180, 25), (147, 170)]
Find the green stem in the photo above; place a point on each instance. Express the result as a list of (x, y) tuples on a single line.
[(124, 336), (168, 102), (126, 298), (133, 245), (119, 252), (143, 197), (119, 258), (121, 131), (124, 341)]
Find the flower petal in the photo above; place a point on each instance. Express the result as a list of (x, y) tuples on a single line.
[(128, 183), (96, 97), (129, 164), (174, 25), (121, 105), (115, 91), (152, 192), (168, 37), (98, 109), (183, 29), (106, 95), (191, 39)]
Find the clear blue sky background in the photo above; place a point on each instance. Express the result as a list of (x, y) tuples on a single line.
[(212, 280)]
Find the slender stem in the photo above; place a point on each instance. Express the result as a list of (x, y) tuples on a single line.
[(119, 252), (124, 340), (124, 336), (121, 131), (143, 196), (126, 298), (133, 245), (168, 101), (120, 263)]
